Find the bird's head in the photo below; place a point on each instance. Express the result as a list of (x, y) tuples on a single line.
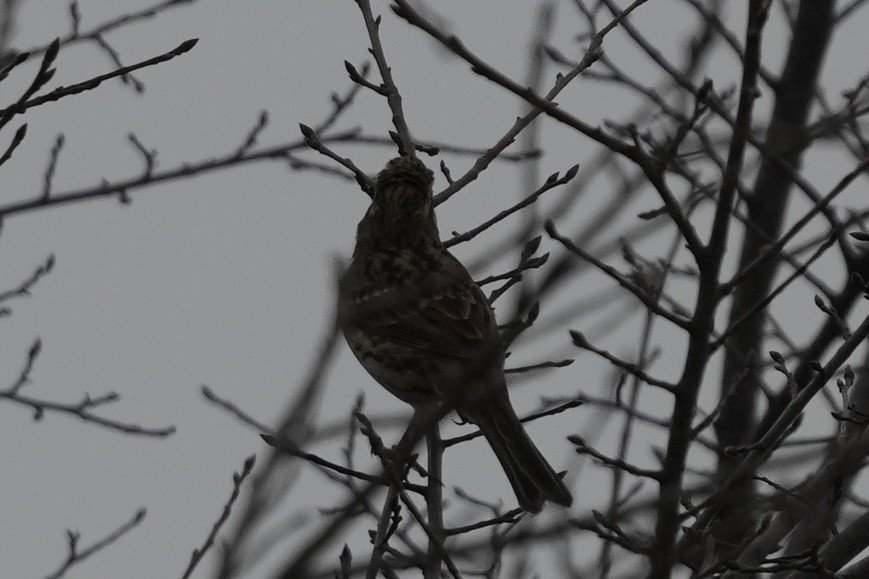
[(401, 210)]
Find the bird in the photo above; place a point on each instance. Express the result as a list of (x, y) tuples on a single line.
[(418, 323)]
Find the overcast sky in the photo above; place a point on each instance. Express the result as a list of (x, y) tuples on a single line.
[(226, 279)]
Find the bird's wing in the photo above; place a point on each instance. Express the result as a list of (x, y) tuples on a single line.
[(445, 314)]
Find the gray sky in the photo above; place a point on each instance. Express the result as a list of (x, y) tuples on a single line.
[(226, 279)]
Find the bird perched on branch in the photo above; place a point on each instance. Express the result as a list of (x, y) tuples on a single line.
[(423, 329)]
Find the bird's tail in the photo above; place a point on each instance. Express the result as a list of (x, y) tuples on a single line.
[(530, 475)]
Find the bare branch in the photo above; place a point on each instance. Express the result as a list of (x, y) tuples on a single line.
[(237, 481), (393, 97), (61, 92), (77, 555)]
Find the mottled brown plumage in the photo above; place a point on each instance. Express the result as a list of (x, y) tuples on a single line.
[(422, 328)]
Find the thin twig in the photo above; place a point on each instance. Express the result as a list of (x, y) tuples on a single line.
[(237, 481), (623, 281), (83, 409), (552, 182), (93, 83), (25, 286), (393, 97), (434, 501), (75, 555)]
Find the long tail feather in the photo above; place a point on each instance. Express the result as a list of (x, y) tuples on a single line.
[(532, 478)]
